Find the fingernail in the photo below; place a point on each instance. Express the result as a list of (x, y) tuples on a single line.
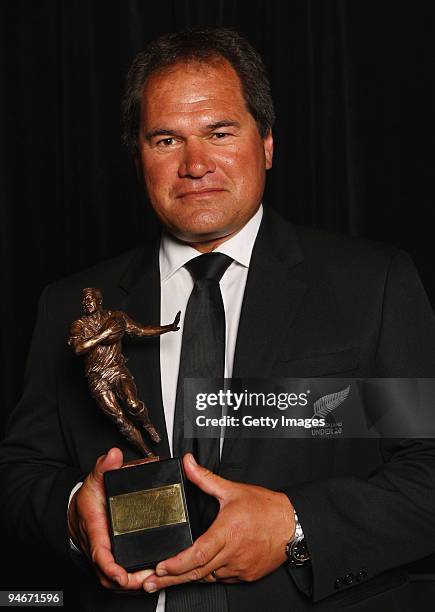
[(192, 460), (150, 587), (117, 579), (147, 573), (161, 571)]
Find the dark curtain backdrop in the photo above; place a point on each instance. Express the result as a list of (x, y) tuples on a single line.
[(353, 82), (353, 85)]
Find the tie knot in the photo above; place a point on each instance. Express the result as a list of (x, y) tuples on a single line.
[(210, 265)]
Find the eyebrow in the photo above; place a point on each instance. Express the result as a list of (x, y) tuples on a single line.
[(207, 128), (223, 123)]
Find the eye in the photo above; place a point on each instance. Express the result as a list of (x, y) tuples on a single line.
[(165, 142), (220, 135)]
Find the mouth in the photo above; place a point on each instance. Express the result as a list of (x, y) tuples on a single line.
[(199, 193)]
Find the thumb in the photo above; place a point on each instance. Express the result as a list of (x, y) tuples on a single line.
[(112, 461), (207, 481)]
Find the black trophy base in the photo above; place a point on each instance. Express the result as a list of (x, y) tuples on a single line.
[(148, 514)]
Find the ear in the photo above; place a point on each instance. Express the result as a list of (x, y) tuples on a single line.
[(268, 149)]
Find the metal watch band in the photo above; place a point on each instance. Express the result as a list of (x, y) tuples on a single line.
[(296, 550)]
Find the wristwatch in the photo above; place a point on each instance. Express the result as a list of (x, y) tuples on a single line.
[(296, 550)]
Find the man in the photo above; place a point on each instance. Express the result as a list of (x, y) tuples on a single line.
[(97, 336), (297, 302)]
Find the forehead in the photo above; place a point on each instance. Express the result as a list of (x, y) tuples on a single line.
[(189, 88)]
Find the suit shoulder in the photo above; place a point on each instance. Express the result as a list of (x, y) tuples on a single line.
[(101, 275), (61, 300), (344, 251), (326, 250)]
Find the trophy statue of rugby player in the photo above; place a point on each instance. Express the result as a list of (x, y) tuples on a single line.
[(98, 335)]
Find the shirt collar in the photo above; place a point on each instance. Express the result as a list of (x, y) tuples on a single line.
[(174, 254)]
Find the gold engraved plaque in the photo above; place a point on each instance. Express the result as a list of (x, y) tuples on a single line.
[(147, 509)]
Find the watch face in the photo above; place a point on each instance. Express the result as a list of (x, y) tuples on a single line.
[(299, 551)]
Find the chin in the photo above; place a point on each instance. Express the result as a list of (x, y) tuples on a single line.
[(203, 226)]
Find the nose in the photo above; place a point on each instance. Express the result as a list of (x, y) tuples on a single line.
[(196, 160)]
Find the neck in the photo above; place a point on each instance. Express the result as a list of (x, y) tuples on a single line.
[(208, 247)]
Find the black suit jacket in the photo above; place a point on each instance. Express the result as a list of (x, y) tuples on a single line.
[(314, 305)]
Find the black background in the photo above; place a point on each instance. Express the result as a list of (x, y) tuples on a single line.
[(353, 84)]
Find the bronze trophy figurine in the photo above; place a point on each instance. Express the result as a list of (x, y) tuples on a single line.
[(97, 336), (147, 504)]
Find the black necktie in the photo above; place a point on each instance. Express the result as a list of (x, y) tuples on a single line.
[(203, 347), (202, 356)]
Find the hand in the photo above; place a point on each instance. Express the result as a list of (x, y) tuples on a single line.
[(89, 530), (174, 325), (246, 541)]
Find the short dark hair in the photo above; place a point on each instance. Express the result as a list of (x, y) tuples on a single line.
[(198, 45)]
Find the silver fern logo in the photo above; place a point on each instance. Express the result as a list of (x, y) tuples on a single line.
[(327, 403), (324, 407)]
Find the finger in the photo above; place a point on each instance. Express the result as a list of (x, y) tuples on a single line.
[(87, 513), (114, 576), (207, 481), (200, 554), (94, 521), (134, 581), (226, 572), (106, 582), (156, 583), (111, 461), (105, 564)]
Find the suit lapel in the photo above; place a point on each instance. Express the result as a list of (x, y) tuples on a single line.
[(141, 284), (273, 294), (274, 291)]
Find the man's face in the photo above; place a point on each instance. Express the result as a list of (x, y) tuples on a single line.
[(202, 157), (90, 303)]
